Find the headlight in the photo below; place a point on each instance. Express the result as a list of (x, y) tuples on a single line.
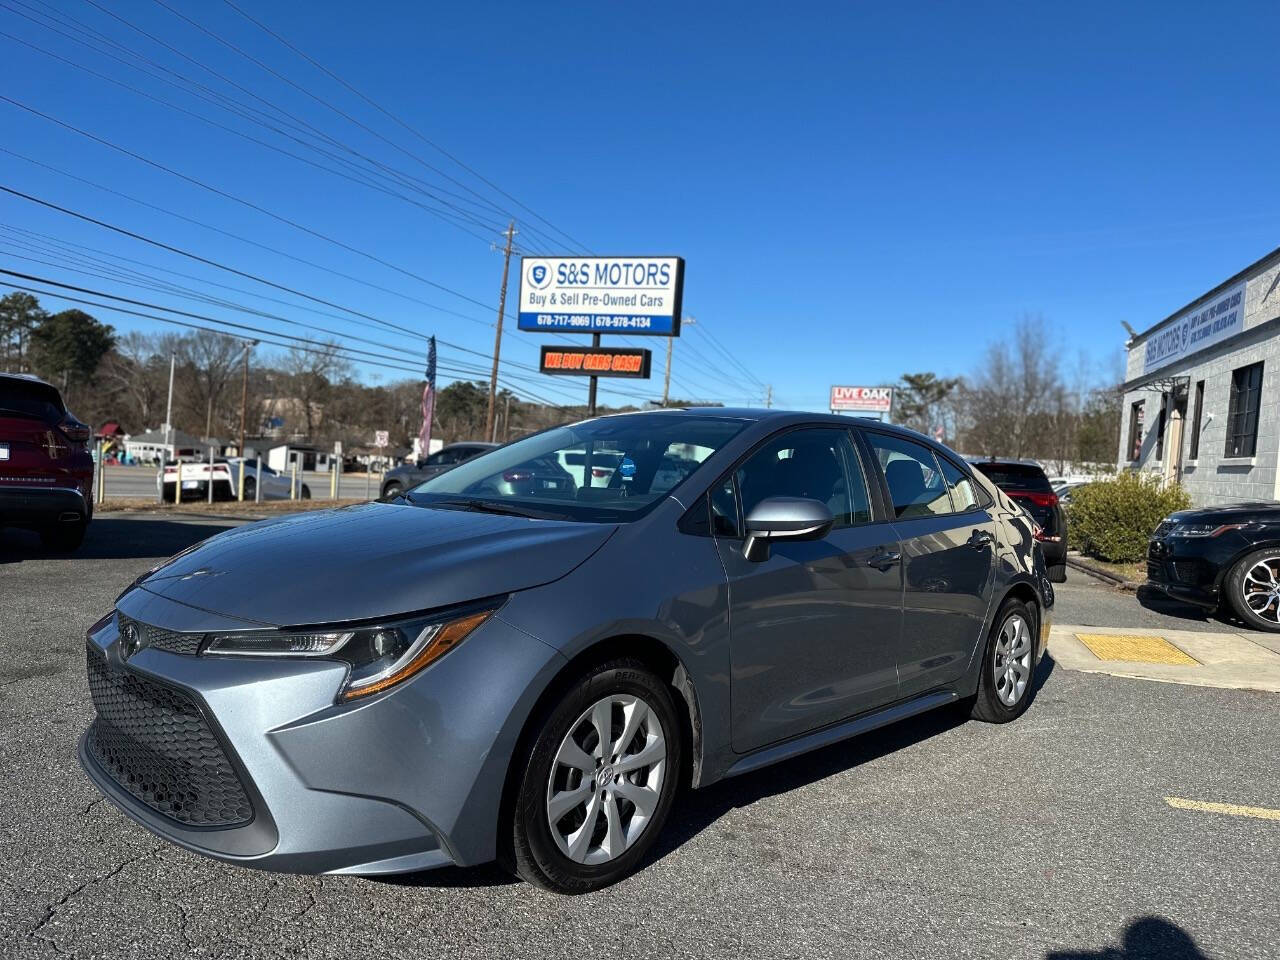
[(1204, 529), (380, 656)]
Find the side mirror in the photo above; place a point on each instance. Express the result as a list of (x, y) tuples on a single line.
[(784, 518)]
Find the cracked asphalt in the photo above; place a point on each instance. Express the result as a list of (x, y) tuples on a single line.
[(1050, 837)]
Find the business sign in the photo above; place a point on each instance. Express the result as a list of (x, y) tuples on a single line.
[(381, 438), (862, 399), (1201, 327), (636, 295), (596, 361)]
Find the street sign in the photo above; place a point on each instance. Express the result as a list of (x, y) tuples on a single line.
[(632, 295), (862, 399), (380, 438), (596, 361)]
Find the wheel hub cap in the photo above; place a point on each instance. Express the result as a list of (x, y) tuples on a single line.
[(1011, 668), (606, 779), (1261, 589)]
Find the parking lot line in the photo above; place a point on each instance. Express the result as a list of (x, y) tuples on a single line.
[(1135, 648), (1231, 809)]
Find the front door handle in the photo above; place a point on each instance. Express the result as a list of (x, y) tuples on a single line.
[(883, 561), (980, 540)]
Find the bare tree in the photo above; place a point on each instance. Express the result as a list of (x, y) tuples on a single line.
[(1005, 403), (208, 365), (310, 373)]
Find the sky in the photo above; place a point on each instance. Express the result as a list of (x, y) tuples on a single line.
[(858, 190)]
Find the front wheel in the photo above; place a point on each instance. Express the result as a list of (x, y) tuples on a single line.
[(598, 780), (1253, 589), (1008, 665), (306, 492)]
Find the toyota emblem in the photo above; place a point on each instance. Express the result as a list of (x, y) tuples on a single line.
[(130, 639)]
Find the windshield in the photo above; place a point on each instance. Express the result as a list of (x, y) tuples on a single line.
[(608, 469)]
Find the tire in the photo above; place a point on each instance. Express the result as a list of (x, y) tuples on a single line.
[(305, 492), (560, 759), (64, 537), (249, 484), (1248, 579), (1006, 683), (1058, 573), (390, 491)]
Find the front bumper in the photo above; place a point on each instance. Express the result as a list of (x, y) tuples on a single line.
[(1183, 573), (409, 780), (39, 506)]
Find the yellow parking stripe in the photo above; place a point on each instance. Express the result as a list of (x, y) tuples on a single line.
[(1231, 809), (1135, 649)]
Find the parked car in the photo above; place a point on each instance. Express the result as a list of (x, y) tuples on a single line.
[(225, 476), (46, 467), (1225, 557), (447, 457), (486, 668), (1024, 481)]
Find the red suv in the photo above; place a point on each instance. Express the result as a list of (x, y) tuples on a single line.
[(46, 470)]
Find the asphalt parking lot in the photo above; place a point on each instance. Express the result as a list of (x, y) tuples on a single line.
[(1051, 837)]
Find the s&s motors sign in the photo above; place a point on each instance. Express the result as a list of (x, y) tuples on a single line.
[(635, 295), (862, 399)]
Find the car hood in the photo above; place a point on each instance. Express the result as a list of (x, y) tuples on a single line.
[(1267, 511), (369, 561)]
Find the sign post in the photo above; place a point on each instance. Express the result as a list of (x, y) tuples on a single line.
[(380, 439)]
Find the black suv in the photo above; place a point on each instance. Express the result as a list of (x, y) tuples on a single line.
[(1025, 482), (446, 458)]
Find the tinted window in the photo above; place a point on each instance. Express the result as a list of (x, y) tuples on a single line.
[(963, 494), (1025, 477), (1242, 411), (915, 480), (30, 399), (818, 464)]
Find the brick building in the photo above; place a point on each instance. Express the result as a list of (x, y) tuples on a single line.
[(1202, 392)]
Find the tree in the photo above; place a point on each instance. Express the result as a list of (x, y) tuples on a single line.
[(1098, 435), (1005, 403), (20, 314), (208, 363), (69, 345), (311, 372), (922, 401)]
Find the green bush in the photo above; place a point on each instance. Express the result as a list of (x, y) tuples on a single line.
[(1113, 519)]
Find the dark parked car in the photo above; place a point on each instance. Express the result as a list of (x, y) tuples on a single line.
[(403, 477), (493, 668), (1025, 482), (46, 470), (1222, 557)]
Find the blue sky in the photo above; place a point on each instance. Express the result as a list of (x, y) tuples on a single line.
[(858, 190)]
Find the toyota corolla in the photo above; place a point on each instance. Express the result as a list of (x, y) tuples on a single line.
[(504, 664)]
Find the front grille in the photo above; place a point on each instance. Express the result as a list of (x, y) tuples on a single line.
[(1155, 571), (153, 740), (187, 644), (1187, 571)]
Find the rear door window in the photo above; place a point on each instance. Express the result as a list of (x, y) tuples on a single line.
[(915, 480), (963, 492)]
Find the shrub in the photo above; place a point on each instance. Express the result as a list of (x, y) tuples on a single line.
[(1114, 518)]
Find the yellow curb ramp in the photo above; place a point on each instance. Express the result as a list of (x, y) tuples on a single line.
[(1193, 657)]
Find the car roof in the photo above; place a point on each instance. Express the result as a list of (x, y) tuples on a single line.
[(27, 378)]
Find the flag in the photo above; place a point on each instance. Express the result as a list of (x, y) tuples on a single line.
[(428, 400)]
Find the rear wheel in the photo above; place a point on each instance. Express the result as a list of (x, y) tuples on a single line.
[(597, 781), (306, 492), (1008, 665), (249, 486), (1253, 589), (64, 537), (391, 491)]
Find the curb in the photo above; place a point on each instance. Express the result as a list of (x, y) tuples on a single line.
[(1106, 576)]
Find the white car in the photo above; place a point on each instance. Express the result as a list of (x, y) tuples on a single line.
[(225, 476)]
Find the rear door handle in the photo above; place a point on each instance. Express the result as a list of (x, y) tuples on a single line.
[(980, 539), (883, 561)]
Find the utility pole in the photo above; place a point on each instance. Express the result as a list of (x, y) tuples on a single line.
[(506, 420), (768, 395), (168, 410), (490, 426), (244, 397), (666, 381)]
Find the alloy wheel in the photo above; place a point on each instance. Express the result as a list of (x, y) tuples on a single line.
[(1012, 662), (606, 779), (1260, 589)]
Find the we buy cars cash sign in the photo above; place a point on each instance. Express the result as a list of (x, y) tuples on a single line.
[(862, 399)]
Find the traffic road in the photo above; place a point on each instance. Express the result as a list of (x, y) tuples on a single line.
[(1085, 827)]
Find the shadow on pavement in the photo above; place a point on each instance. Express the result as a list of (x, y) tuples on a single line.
[(113, 539), (1157, 601), (1147, 938), (695, 810)]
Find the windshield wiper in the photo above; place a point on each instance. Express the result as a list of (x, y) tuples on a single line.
[(489, 506)]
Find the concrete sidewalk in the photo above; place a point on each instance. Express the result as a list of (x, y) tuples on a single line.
[(1236, 660)]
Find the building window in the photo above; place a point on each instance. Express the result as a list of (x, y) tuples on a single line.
[(1195, 420), (1135, 429), (1242, 414)]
